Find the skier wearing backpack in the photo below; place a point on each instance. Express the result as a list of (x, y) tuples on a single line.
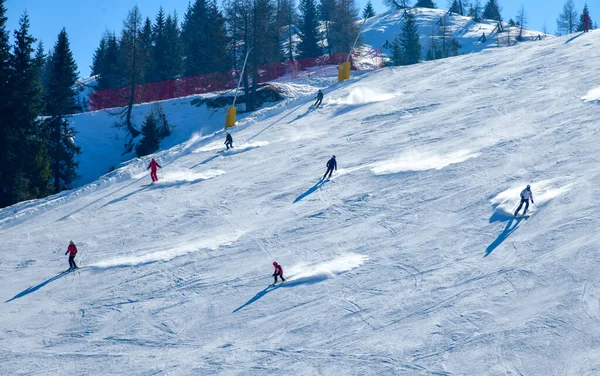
[(153, 165), (526, 195), (278, 272), (331, 165), (229, 141), (72, 251)]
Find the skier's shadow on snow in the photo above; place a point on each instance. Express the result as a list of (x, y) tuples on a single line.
[(290, 283), (29, 290), (311, 190), (511, 226)]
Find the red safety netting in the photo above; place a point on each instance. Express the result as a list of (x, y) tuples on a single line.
[(206, 83)]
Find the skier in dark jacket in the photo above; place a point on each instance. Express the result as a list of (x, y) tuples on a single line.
[(72, 251), (331, 165), (229, 141), (586, 22), (278, 272), (526, 195), (319, 99)]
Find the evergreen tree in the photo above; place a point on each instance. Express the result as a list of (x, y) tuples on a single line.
[(567, 20), (107, 64), (98, 58), (475, 11), (204, 39), (61, 102), (344, 28), (491, 11), (522, 22), (397, 4), (406, 45), (581, 24), (25, 165), (309, 30), (41, 63), (7, 126), (146, 49), (173, 48), (150, 142), (326, 14), (131, 58), (425, 4), (369, 11), (457, 7)]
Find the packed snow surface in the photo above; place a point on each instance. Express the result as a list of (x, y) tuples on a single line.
[(407, 262)]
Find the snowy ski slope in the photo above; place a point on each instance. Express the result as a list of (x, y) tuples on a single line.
[(405, 263)]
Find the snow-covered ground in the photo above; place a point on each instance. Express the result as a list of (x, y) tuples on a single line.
[(405, 263), (385, 27)]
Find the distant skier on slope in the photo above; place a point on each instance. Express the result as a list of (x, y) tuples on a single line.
[(72, 251), (153, 165), (278, 272), (526, 195), (319, 99), (331, 165), (229, 141)]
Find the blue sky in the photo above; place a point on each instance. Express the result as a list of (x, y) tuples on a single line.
[(86, 20)]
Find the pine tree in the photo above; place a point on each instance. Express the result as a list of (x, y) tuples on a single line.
[(326, 14), (61, 102), (475, 11), (7, 126), (309, 30), (41, 63), (344, 28), (146, 50), (581, 24), (425, 4), (204, 39), (522, 22), (173, 48), (25, 161), (397, 4), (567, 20), (406, 45), (457, 7), (131, 58), (98, 58), (491, 11), (107, 64), (150, 142), (369, 11)]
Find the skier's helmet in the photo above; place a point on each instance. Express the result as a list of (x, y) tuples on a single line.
[(528, 186), (333, 157), (274, 263), (71, 242)]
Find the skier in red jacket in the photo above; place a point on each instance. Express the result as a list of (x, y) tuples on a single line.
[(72, 251), (153, 165), (586, 22), (278, 272)]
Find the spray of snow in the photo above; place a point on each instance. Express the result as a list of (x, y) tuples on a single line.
[(421, 161), (218, 145), (212, 243), (318, 272), (543, 191), (362, 95), (592, 95), (188, 176)]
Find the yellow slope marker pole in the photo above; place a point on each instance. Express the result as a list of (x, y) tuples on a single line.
[(232, 112), (344, 68)]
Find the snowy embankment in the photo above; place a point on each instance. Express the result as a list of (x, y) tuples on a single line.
[(406, 262)]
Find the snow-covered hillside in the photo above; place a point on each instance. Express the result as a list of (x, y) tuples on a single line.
[(385, 27), (405, 263)]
